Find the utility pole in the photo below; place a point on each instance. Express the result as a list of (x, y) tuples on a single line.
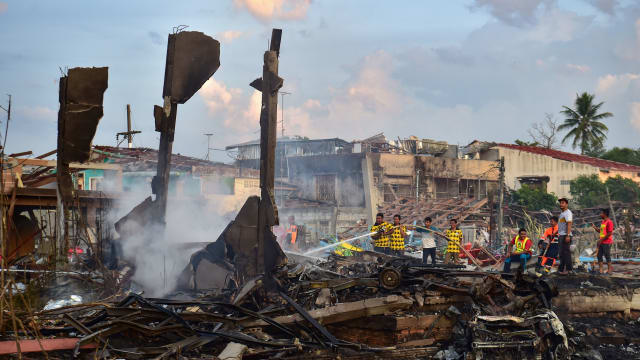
[(208, 145), (282, 94), (417, 185), (268, 85), (128, 135), (500, 201), (2, 249)]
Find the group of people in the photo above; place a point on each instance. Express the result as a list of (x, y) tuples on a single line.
[(554, 244), (390, 238)]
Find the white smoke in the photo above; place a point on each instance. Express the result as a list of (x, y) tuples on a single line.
[(158, 255)]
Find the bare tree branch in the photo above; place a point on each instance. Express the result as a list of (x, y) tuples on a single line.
[(545, 132)]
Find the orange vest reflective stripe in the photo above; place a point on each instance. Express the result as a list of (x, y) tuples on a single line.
[(293, 230)]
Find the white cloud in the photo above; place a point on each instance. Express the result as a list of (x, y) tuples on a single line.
[(606, 6), (268, 10), (635, 115), (228, 36), (616, 84), (3, 7), (39, 113), (229, 107), (514, 12), (557, 25), (578, 68)]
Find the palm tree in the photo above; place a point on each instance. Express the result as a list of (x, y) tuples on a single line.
[(584, 122)]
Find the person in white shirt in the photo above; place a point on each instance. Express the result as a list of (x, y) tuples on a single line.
[(428, 241), (565, 223)]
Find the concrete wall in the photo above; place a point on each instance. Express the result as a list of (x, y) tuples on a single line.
[(520, 163), (439, 176), (347, 168), (633, 175)]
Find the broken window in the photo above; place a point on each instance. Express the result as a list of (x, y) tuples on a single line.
[(326, 187), (95, 183)]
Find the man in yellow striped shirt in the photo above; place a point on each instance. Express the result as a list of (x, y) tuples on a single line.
[(382, 230), (453, 246)]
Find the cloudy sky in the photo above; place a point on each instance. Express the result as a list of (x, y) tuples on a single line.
[(454, 70)]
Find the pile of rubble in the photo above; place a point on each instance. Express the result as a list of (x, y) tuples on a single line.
[(372, 305)]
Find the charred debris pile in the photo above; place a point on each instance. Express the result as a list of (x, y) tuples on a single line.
[(364, 306)]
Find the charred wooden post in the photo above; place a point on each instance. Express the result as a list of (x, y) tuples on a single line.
[(192, 58), (269, 85), (247, 253), (80, 94)]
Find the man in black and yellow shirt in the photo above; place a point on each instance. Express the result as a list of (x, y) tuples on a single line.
[(382, 231), (453, 246), (397, 237)]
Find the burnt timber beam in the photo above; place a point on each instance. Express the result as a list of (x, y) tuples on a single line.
[(269, 85), (192, 58)]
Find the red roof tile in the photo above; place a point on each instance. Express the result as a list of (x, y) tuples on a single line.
[(561, 155)]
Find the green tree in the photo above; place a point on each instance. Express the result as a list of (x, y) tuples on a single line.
[(595, 150), (584, 123), (621, 189), (534, 198), (526, 143), (588, 191), (623, 155)]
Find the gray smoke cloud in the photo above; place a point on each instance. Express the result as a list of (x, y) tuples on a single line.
[(159, 255)]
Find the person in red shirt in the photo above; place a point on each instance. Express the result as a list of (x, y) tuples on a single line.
[(606, 239), (519, 250)]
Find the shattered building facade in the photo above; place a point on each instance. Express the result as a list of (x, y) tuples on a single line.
[(339, 184)]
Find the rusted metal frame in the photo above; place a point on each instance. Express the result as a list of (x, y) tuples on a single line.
[(332, 339), (38, 345)]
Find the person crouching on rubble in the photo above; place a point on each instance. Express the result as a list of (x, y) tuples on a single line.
[(548, 244), (454, 236), (522, 252), (605, 240), (382, 230), (397, 236)]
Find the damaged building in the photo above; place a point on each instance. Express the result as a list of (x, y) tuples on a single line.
[(339, 184)]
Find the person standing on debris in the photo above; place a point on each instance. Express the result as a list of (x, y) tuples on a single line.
[(397, 236), (565, 222), (428, 241), (382, 230), (605, 241), (292, 234), (522, 252), (454, 235)]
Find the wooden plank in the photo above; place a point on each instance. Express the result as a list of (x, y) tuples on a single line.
[(344, 311), (47, 154), (27, 346), (53, 163)]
